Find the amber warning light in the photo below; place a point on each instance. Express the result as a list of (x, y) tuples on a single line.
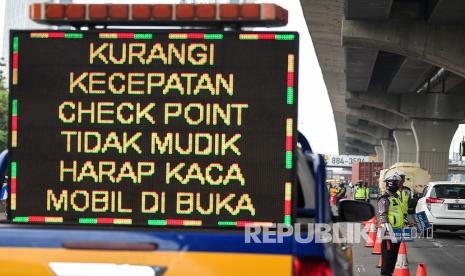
[(159, 14)]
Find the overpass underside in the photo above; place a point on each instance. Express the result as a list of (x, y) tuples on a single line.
[(394, 70)]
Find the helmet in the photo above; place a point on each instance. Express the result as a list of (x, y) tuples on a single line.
[(392, 178), (392, 183), (401, 175)]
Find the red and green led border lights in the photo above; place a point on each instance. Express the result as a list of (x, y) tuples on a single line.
[(14, 123), (13, 186), (244, 223), (174, 222), (266, 36), (57, 35), (38, 219), (195, 36), (180, 36), (126, 35), (287, 203), (148, 36), (118, 221), (290, 79), (15, 62), (289, 143)]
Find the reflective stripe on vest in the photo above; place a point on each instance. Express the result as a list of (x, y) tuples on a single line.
[(396, 212)]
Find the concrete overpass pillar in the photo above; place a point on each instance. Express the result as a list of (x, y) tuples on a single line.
[(379, 153), (389, 152), (433, 140), (406, 146)]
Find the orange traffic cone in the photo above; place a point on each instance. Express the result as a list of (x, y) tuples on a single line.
[(402, 262), (368, 223), (371, 236), (377, 246), (421, 269), (380, 262)]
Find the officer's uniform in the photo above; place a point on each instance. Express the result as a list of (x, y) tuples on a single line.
[(341, 192), (367, 193), (405, 194), (390, 210), (360, 193)]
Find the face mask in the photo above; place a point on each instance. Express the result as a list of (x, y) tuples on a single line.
[(393, 189)]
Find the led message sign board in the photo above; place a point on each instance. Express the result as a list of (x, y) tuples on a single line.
[(152, 128)]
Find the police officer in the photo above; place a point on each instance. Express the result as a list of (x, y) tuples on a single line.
[(367, 191), (391, 216), (405, 193), (359, 192), (341, 193)]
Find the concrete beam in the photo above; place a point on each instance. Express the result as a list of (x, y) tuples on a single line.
[(411, 74), (323, 19), (360, 146), (340, 120), (368, 9), (359, 66), (380, 117), (379, 153), (431, 43), (362, 137), (352, 150), (406, 146), (389, 152), (446, 11), (433, 140), (376, 132), (387, 102), (439, 106)]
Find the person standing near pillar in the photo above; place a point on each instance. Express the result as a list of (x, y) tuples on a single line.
[(367, 191), (391, 216)]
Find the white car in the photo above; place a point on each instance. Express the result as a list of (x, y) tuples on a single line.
[(444, 205)]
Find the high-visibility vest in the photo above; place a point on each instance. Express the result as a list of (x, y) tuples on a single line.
[(396, 212), (367, 192), (404, 197), (332, 191), (360, 193)]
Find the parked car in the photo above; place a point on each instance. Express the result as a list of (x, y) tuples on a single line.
[(444, 205)]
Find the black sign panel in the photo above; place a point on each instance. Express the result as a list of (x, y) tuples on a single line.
[(152, 128)]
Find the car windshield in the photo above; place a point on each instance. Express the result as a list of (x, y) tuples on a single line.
[(448, 191)]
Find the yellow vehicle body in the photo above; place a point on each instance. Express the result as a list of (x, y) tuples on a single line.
[(35, 261)]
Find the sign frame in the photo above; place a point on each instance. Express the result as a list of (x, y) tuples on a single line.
[(289, 217)]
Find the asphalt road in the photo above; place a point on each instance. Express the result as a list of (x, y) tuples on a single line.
[(443, 254)]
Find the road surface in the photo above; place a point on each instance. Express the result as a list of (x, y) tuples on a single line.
[(444, 254)]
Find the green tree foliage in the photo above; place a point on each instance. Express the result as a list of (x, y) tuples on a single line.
[(3, 110)]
